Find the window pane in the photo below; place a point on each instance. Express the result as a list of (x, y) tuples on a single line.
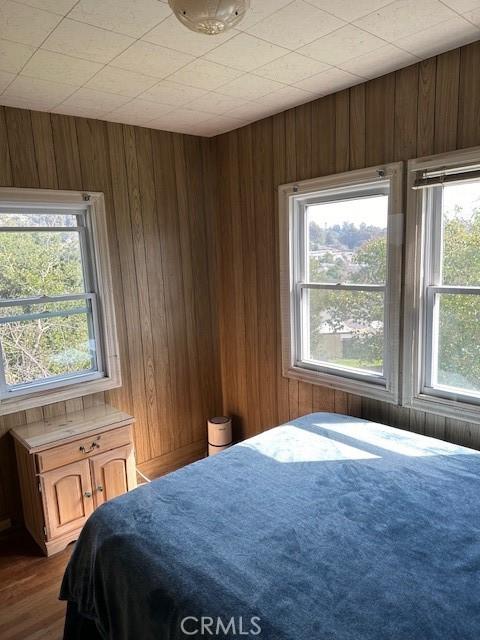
[(40, 263), (347, 241), (461, 234), (459, 341), (46, 347), (11, 218), (344, 328)]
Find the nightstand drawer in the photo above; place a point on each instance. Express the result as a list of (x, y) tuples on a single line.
[(81, 449)]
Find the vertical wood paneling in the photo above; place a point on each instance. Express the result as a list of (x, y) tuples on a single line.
[(65, 143), (266, 276), (44, 151), (279, 177), (342, 131), (379, 120), (357, 127), (323, 136), (200, 277), (5, 166), (161, 439), (20, 143), (210, 196), (406, 104), (250, 247), (168, 221), (469, 102), (154, 195), (446, 101), (427, 70)]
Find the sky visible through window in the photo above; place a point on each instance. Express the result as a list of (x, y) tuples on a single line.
[(370, 211)]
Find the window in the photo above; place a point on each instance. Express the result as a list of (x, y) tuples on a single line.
[(340, 278), (57, 327), (443, 362)]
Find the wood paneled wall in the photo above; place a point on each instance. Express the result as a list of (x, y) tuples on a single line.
[(430, 107), (156, 185)]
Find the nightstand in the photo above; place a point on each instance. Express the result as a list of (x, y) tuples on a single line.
[(68, 466)]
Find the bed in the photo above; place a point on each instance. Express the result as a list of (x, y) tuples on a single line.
[(325, 528)]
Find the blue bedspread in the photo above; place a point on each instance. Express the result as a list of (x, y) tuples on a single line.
[(327, 528)]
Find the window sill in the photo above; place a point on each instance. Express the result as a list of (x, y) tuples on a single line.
[(453, 409), (374, 390), (39, 398)]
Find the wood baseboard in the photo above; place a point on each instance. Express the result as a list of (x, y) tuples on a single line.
[(173, 460)]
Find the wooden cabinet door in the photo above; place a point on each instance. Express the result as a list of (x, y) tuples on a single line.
[(113, 473), (67, 498)]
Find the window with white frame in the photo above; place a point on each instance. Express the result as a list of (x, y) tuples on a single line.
[(57, 328), (442, 364), (341, 241)]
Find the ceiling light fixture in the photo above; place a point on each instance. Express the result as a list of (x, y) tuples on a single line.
[(209, 16)]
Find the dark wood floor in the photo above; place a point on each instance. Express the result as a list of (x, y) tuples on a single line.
[(29, 586)]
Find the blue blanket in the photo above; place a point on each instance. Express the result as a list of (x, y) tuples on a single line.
[(327, 528)]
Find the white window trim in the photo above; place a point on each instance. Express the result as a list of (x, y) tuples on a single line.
[(387, 388), (81, 384), (448, 404)]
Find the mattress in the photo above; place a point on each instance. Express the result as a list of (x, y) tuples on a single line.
[(325, 528)]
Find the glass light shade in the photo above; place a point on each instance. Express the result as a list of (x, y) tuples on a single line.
[(209, 16)]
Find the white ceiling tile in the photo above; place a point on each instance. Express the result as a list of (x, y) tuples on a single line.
[(25, 24), (216, 103), (250, 87), (291, 68), (245, 52), (404, 17), (226, 123), (216, 126), (150, 59), (341, 45), (462, 6), (286, 97), (5, 80), (329, 81), (131, 17), (84, 41), (177, 95), (14, 55), (171, 33), (295, 25), (441, 37), (62, 7), (350, 10), (142, 108), (181, 118), (474, 17), (124, 83), (57, 67), (79, 112), (251, 111), (94, 99), (205, 74), (133, 119), (378, 62), (43, 92), (260, 9)]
